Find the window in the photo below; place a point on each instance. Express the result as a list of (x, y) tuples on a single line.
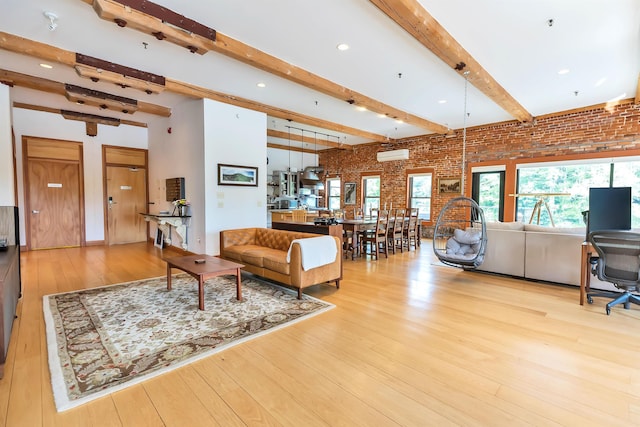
[(333, 193), (420, 194), (487, 189), (371, 193), (572, 180)]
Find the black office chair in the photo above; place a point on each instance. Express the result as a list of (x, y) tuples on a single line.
[(618, 263)]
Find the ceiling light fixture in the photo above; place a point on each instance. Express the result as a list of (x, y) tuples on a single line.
[(361, 108), (261, 85), (342, 47), (382, 116), (442, 101), (52, 17), (563, 71), (47, 66)]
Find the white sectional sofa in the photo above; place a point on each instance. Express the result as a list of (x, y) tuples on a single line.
[(536, 252)]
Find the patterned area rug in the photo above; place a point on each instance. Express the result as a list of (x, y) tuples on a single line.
[(104, 339)]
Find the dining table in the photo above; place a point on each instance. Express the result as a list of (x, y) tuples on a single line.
[(356, 226)]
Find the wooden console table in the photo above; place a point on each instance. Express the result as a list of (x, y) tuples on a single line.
[(165, 222)]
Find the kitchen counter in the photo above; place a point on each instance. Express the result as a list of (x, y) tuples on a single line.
[(284, 214)]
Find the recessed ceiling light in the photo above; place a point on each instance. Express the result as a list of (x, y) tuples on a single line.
[(382, 116), (399, 121), (360, 108), (342, 46), (47, 66), (563, 71), (261, 85), (442, 101)]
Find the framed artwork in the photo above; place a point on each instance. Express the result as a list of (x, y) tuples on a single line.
[(449, 185), (245, 176), (159, 242), (349, 193)]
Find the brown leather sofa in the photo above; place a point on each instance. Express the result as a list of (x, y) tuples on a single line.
[(263, 251)]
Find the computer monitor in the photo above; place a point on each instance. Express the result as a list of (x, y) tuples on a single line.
[(609, 209)]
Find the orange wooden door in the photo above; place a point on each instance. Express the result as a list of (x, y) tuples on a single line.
[(54, 203), (126, 200)]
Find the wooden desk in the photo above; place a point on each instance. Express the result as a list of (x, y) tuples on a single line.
[(585, 270)]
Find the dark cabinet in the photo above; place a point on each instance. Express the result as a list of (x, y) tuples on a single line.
[(9, 294), (10, 288)]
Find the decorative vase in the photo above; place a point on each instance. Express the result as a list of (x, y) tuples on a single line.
[(182, 210)]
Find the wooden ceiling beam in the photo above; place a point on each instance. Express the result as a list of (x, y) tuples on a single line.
[(156, 21), (188, 89), (296, 137), (287, 148), (114, 11), (59, 111), (413, 18), (51, 86), (47, 52), (33, 48)]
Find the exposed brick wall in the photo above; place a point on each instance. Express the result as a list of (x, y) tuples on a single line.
[(574, 134)]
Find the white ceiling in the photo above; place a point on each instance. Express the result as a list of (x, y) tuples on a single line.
[(598, 41)]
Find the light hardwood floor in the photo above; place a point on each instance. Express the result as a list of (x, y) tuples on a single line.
[(410, 343)]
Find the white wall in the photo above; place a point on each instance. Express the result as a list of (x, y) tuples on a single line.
[(179, 153), (7, 197), (203, 134), (49, 125), (235, 136)]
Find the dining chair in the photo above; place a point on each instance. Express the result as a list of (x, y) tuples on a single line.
[(410, 230), (377, 239), (396, 226)]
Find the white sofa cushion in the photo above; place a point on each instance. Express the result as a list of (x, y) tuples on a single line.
[(504, 252), (515, 226), (561, 230), (553, 257)]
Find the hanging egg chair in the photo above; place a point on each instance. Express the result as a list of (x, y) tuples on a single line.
[(460, 234)]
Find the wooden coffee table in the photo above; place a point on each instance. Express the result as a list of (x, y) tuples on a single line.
[(211, 267)]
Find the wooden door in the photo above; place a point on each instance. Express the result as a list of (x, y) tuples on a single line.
[(54, 203), (126, 200)]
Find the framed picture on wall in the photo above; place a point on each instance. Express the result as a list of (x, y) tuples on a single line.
[(449, 185), (245, 176), (349, 193)]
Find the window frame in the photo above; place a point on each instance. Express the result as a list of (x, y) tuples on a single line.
[(423, 216), (363, 191), (328, 195)]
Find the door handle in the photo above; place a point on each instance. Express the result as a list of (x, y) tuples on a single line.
[(35, 212)]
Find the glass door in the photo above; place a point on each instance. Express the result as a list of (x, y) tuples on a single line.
[(487, 189)]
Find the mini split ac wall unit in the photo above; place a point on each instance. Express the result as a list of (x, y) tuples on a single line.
[(387, 156)]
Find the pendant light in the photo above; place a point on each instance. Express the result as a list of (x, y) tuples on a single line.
[(289, 128)]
